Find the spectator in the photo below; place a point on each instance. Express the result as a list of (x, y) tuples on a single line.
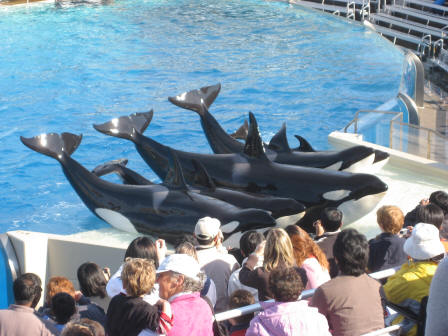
[(83, 327), (248, 242), (214, 261), (437, 317), (351, 302), (438, 198), (287, 316), (309, 256), (20, 318), (85, 308), (277, 253), (128, 314), (239, 325), (411, 283), (180, 281), (327, 230), (209, 289), (63, 307), (386, 250), (140, 247)]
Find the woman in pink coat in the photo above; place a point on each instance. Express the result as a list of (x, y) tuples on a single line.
[(287, 316)]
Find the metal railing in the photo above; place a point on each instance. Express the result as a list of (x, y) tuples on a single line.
[(409, 138), (305, 295)]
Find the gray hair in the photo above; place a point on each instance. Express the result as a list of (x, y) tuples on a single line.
[(190, 284)]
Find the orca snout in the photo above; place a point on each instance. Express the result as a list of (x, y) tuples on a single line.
[(252, 219)]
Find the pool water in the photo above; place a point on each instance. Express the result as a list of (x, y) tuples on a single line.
[(65, 67)]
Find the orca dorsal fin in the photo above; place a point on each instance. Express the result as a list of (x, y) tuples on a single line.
[(175, 176), (196, 100), (241, 132), (279, 141), (254, 145), (201, 176), (304, 145)]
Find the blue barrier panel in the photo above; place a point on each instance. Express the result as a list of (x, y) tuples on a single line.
[(6, 294)]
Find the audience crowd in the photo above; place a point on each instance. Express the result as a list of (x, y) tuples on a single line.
[(153, 293)]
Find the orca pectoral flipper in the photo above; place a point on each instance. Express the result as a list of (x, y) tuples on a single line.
[(53, 144), (126, 127)]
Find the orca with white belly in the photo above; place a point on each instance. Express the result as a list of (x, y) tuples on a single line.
[(277, 206), (354, 159), (166, 211), (252, 171)]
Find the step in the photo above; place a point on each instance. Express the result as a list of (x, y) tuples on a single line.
[(415, 13)]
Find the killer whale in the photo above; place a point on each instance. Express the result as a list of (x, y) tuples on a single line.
[(166, 210), (277, 206), (252, 171), (354, 159)]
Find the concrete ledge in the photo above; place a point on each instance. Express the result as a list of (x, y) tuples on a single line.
[(411, 162)]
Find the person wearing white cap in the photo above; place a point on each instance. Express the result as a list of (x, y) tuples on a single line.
[(411, 283), (180, 281), (216, 263)]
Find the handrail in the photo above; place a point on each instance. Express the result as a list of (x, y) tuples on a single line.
[(305, 295), (356, 118)]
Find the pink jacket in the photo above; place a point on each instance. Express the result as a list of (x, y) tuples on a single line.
[(191, 316), (288, 319), (315, 273)]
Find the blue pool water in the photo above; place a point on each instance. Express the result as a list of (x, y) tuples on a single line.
[(63, 68)]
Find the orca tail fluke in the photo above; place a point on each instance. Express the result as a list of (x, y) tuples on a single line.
[(197, 100), (53, 144), (126, 127)]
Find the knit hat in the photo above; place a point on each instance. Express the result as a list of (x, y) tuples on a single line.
[(424, 242), (180, 263), (207, 228)]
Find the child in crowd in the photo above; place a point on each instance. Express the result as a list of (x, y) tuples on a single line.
[(386, 250), (85, 308), (83, 327), (140, 247), (63, 307), (239, 325), (411, 283), (309, 256), (287, 316), (128, 314)]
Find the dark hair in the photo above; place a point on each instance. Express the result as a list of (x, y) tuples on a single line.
[(430, 214), (285, 284), (142, 247), (27, 288), (186, 237), (241, 298), (292, 230), (331, 219), (440, 198), (249, 241), (63, 307), (91, 280), (351, 251)]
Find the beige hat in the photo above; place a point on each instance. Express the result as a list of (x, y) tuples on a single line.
[(181, 263), (207, 228), (424, 242)]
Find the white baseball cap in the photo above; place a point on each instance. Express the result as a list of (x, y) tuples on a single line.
[(424, 242), (180, 263), (207, 228)]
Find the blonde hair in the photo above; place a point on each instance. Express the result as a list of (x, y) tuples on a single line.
[(390, 218), (278, 250), (138, 276), (304, 247), (58, 284)]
